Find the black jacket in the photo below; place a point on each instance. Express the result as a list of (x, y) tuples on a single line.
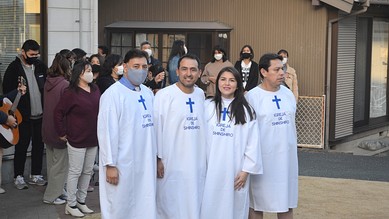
[(10, 82), (252, 81)]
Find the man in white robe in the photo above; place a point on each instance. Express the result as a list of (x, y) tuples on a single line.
[(276, 190), (178, 118), (127, 144)]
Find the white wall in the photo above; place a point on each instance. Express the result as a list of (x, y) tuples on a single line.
[(72, 24)]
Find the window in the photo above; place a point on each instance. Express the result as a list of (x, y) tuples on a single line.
[(121, 43), (371, 87), (20, 20)]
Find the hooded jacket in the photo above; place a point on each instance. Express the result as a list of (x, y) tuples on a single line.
[(53, 90), (10, 83)]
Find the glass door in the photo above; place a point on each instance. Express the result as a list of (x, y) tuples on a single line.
[(379, 68)]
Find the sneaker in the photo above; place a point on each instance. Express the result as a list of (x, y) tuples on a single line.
[(64, 195), (19, 183), (57, 201), (2, 191), (37, 180), (90, 189)]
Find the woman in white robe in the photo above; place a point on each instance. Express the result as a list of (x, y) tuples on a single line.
[(233, 149)]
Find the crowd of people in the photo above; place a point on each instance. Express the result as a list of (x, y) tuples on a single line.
[(164, 147)]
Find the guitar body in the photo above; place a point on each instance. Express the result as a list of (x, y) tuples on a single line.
[(9, 136)]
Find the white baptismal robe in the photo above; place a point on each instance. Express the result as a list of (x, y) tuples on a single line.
[(230, 149), (180, 125), (276, 190), (127, 140)]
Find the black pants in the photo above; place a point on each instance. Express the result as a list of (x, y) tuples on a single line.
[(27, 130)]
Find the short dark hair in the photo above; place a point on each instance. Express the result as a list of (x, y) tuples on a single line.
[(283, 51), (30, 45), (189, 56), (104, 49), (264, 61), (95, 56), (134, 53), (219, 48), (145, 43), (80, 53)]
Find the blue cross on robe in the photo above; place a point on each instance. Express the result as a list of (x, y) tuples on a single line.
[(276, 100), (190, 103), (225, 113), (141, 100)]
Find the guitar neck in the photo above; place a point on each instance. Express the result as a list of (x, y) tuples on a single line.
[(15, 102)]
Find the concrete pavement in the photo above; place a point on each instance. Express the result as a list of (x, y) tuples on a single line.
[(317, 163)]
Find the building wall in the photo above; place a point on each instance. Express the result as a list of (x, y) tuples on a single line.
[(294, 25), (71, 24)]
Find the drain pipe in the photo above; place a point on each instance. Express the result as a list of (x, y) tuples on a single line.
[(328, 85)]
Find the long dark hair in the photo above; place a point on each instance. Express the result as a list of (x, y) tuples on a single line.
[(60, 67), (177, 49), (78, 69), (251, 51), (239, 104), (110, 62)]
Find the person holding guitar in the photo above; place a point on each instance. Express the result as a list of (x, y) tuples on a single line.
[(30, 106), (9, 120)]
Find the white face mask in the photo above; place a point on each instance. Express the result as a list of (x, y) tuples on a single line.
[(120, 70), (218, 56), (284, 60), (88, 76), (149, 52), (185, 49)]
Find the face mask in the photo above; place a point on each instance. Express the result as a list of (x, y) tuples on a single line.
[(96, 68), (149, 52), (284, 60), (186, 50), (218, 56), (136, 76), (246, 55), (31, 60), (88, 76), (120, 70)]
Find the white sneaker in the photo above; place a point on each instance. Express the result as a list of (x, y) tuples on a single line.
[(2, 191), (37, 180), (19, 183), (57, 201)]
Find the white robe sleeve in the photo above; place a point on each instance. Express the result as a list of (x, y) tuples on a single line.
[(158, 109), (108, 129), (252, 156)]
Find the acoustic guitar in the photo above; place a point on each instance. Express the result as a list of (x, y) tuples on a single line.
[(9, 135)]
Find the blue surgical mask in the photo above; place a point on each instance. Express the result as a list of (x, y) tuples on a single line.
[(136, 76)]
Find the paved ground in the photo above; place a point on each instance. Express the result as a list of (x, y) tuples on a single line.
[(332, 185)]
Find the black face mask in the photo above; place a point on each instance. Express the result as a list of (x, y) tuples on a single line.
[(96, 68), (246, 55), (31, 60)]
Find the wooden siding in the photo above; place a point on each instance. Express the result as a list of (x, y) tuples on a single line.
[(294, 25)]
